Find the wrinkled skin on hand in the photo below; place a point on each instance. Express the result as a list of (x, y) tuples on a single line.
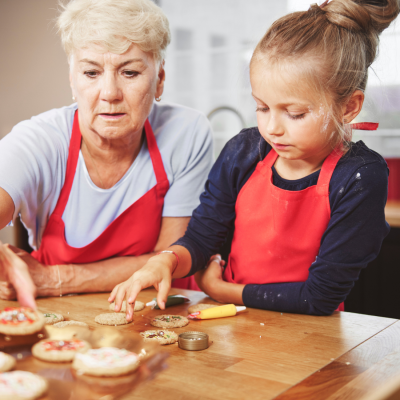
[(16, 281), (22, 277)]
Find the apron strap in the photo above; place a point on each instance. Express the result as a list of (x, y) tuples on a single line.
[(73, 155), (327, 169), (155, 154)]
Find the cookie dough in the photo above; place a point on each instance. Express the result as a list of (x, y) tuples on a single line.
[(169, 321), (106, 361), (112, 319), (51, 318), (139, 306), (20, 321), (63, 324), (59, 350), (200, 307), (7, 362), (21, 385), (162, 337)]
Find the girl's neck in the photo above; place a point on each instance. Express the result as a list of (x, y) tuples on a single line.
[(297, 169)]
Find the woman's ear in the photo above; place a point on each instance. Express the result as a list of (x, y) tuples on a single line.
[(160, 80), (353, 106)]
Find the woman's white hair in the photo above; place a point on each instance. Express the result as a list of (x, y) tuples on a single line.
[(114, 25)]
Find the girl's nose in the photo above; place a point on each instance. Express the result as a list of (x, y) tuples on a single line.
[(273, 126), (110, 90)]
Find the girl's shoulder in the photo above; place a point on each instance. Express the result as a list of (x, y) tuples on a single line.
[(360, 171)]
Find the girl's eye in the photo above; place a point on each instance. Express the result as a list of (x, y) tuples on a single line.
[(262, 109), (130, 74), (91, 74), (298, 116)]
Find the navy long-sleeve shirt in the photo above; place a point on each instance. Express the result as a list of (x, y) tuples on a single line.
[(358, 193)]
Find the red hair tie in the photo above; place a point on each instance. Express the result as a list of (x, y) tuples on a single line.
[(365, 126)]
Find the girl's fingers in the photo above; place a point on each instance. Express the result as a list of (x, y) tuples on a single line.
[(113, 293), (163, 291), (119, 298), (135, 290), (130, 308)]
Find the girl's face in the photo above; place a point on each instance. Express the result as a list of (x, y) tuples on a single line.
[(289, 117)]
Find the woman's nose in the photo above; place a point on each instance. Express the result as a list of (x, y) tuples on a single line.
[(110, 90)]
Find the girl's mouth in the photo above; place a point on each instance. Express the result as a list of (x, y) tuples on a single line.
[(279, 146)]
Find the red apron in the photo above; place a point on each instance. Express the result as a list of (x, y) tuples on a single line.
[(132, 233), (278, 232)]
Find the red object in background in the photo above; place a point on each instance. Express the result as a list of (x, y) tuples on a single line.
[(394, 178)]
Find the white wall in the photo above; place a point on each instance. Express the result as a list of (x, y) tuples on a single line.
[(33, 67)]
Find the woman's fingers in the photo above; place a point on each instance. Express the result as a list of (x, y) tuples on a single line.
[(18, 275), (119, 298), (7, 291)]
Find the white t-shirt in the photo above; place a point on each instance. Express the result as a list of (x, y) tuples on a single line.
[(33, 160)]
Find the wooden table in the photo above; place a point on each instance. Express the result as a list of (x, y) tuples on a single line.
[(261, 354)]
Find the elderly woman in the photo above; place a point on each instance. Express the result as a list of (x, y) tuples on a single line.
[(104, 183)]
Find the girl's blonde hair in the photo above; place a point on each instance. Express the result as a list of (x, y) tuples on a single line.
[(336, 43), (114, 25)]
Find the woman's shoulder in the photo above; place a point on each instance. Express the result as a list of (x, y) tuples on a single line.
[(53, 126)]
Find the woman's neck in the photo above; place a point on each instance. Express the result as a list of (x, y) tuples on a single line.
[(107, 160)]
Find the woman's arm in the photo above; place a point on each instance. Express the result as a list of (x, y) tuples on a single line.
[(6, 208), (100, 276)]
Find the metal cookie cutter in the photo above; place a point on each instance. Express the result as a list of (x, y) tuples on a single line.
[(193, 341)]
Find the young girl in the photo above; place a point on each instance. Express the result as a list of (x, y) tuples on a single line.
[(306, 204)]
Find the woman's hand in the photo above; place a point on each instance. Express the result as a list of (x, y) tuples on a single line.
[(210, 279), (157, 272), (16, 280)]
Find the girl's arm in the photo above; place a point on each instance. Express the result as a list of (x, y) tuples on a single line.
[(352, 240), (209, 225)]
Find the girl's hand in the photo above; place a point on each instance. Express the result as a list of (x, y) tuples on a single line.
[(16, 280), (157, 272), (210, 278)]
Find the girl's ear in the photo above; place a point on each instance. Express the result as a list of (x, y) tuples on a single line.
[(353, 106)]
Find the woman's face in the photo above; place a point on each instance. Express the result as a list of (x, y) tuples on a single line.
[(289, 117), (114, 92)]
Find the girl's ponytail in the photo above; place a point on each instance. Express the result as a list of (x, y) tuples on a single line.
[(336, 44)]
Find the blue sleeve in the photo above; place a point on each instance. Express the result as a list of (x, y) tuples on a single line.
[(214, 217), (352, 240)]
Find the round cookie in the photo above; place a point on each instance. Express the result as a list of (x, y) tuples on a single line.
[(139, 306), (106, 361), (169, 321), (59, 350), (21, 385), (200, 307), (20, 321), (63, 324), (112, 319), (162, 337), (7, 362), (51, 318)]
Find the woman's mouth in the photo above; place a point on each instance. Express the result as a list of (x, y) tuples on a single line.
[(112, 116)]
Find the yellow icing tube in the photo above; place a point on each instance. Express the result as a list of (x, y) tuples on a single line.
[(217, 312)]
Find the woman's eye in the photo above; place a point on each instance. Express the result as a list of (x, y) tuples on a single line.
[(262, 109), (297, 116), (130, 74), (91, 74)]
